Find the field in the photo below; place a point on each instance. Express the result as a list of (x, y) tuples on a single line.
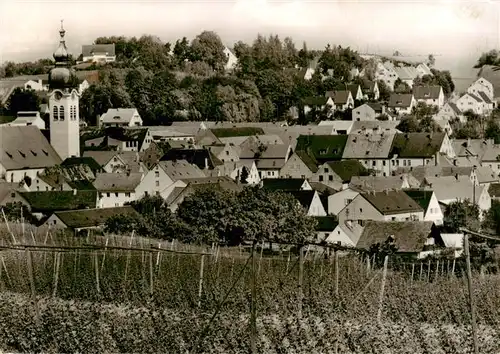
[(117, 300)]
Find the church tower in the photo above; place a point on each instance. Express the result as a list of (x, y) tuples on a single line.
[(63, 104)]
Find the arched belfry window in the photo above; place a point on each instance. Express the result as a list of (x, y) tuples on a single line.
[(61, 113), (55, 112)]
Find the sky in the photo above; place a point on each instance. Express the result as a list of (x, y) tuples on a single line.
[(455, 31)]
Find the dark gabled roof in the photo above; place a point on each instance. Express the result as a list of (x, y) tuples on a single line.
[(196, 157), (400, 100), (326, 223), (417, 144), (307, 160), (347, 169), (283, 184), (421, 196), (315, 101), (408, 236), (454, 108), (304, 197), (426, 92), (392, 202), (89, 161), (367, 85), (494, 190), (127, 134), (484, 97), (322, 188), (340, 96), (354, 89), (237, 131), (92, 217), (322, 147), (377, 107), (48, 201)]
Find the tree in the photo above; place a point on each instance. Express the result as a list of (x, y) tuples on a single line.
[(14, 211), (123, 224), (461, 214), (98, 98), (208, 47), (468, 131), (488, 58), (23, 100), (431, 60), (408, 124), (244, 175), (384, 91), (182, 51), (401, 86), (492, 131), (492, 217)]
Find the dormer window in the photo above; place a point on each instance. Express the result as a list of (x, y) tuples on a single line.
[(116, 117), (322, 152)]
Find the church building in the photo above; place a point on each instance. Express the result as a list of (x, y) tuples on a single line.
[(63, 104)]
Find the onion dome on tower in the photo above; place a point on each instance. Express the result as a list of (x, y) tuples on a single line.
[(61, 77)]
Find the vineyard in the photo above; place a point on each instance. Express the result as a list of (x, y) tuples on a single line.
[(113, 294)]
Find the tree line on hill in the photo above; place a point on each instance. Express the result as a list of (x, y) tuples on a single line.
[(187, 80)]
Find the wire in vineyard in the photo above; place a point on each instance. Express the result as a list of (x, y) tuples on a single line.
[(206, 329)]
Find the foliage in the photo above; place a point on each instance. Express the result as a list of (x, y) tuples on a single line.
[(492, 131), (207, 47), (461, 214), (23, 100), (244, 175), (401, 86), (98, 98), (14, 211), (439, 78), (468, 130), (11, 69), (384, 91), (492, 217), (122, 224), (488, 58)]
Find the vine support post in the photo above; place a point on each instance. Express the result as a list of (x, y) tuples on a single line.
[(471, 296), (253, 305), (200, 283), (301, 280), (382, 289), (336, 265)]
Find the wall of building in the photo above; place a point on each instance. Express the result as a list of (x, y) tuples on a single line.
[(338, 201), (295, 168), (155, 181), (115, 199)]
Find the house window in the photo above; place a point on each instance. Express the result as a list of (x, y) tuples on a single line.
[(361, 222), (404, 162), (326, 170), (227, 153), (157, 174), (409, 162), (321, 178), (157, 183), (360, 210), (374, 163), (116, 195), (61, 113), (127, 194), (383, 163), (303, 176), (108, 195), (117, 204), (393, 218), (330, 178), (55, 113), (347, 201)]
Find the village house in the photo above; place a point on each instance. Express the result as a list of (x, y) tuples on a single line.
[(26, 118), (310, 200), (402, 103), (356, 91), (126, 139), (470, 102), (322, 148), (423, 69), (234, 170), (382, 206), (371, 150), (450, 111), (232, 60), (299, 165), (491, 158), (375, 127), (164, 174), (99, 53), (451, 189), (269, 159), (319, 104), (345, 234), (121, 117), (86, 219), (386, 75), (419, 149), (370, 90), (407, 74), (9, 192), (225, 152), (482, 85), (428, 201), (324, 230), (383, 183), (430, 95), (25, 152), (202, 158), (286, 184), (116, 189), (412, 239), (63, 178), (342, 99), (338, 174), (338, 201), (44, 203), (368, 112), (117, 162)]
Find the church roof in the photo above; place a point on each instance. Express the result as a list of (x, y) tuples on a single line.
[(25, 147)]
